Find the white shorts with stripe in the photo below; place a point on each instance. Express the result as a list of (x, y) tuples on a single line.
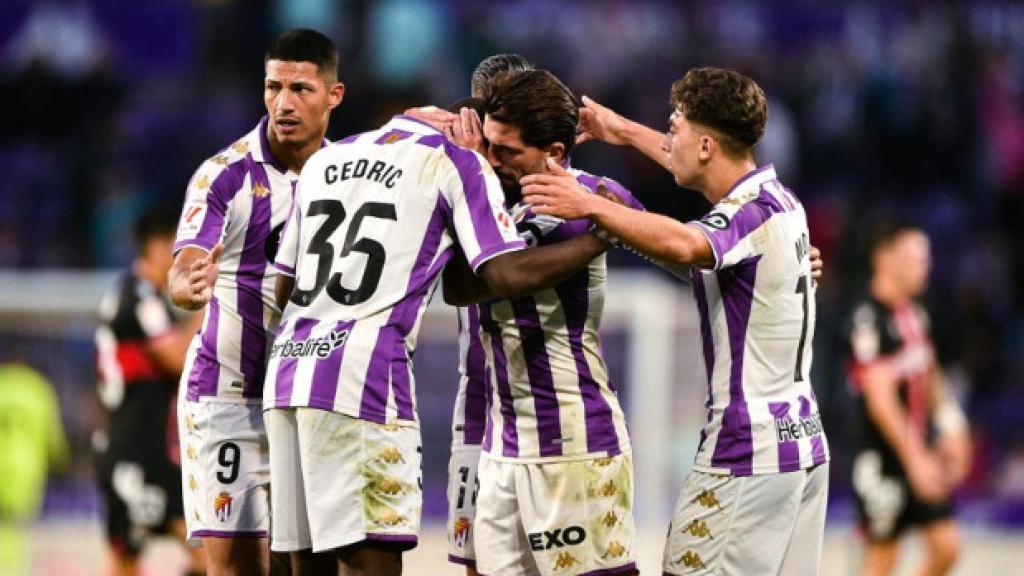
[(225, 469), (770, 524), (560, 518), (463, 488), (340, 480)]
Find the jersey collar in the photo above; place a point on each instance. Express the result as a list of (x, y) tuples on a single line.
[(752, 181), (259, 146)]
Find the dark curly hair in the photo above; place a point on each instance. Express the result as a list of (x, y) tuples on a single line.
[(725, 101)]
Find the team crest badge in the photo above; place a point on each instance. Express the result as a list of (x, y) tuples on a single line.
[(460, 531), (222, 506)]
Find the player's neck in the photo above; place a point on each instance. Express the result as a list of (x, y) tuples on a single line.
[(721, 179), (886, 292), (293, 157)]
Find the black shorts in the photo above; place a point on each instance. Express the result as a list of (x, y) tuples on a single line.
[(886, 506), (142, 496)]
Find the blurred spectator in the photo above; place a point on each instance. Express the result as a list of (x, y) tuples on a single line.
[(31, 445)]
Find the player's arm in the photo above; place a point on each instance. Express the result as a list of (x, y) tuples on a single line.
[(193, 275), (522, 272), (460, 285), (283, 290), (656, 236), (954, 442), (879, 385), (598, 122)]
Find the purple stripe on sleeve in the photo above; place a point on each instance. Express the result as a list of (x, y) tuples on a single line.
[(574, 296), (325, 374), (349, 139), (252, 268), (735, 446), (818, 455), (747, 219), (389, 363), (789, 451), (284, 269), (538, 370), (285, 381), (476, 373), (474, 186), (223, 189), (509, 434), (591, 181), (205, 375)]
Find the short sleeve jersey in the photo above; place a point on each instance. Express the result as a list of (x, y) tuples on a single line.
[(376, 218), (240, 198), (757, 313)]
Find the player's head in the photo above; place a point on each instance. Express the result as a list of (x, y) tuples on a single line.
[(717, 115), (154, 240), (301, 86), (495, 65), (901, 256), (529, 117)]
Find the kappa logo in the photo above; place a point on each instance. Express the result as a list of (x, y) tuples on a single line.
[(615, 550), (390, 455), (707, 499), (565, 560), (222, 506), (460, 531), (260, 191), (319, 347), (389, 486), (557, 538), (610, 519), (389, 517), (691, 560), (716, 220), (699, 529)]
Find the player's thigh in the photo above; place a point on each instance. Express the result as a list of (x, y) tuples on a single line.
[(463, 486), (499, 539), (803, 555), (732, 525), (578, 515), (362, 480), (287, 499), (225, 470)]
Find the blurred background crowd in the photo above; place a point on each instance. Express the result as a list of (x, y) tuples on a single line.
[(877, 109)]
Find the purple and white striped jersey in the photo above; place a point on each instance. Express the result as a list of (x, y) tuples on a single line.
[(376, 218), (470, 413), (757, 316), (548, 392), (241, 198)]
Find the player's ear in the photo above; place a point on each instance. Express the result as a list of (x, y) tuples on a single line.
[(707, 147), (335, 93), (557, 152)]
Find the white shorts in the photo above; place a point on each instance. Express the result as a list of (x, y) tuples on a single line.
[(225, 469), (749, 525), (565, 518), (463, 486), (340, 480)]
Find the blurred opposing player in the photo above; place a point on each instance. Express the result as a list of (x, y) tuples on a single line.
[(228, 235), (913, 447), (377, 217), (141, 349), (470, 413), (556, 482), (32, 444), (755, 501)]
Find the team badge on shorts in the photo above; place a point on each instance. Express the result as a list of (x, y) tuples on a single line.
[(460, 531), (222, 506)]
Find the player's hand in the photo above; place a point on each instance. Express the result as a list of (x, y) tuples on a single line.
[(202, 275), (817, 264), (436, 117), (600, 123), (926, 478), (954, 452), (556, 193), (467, 131)]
